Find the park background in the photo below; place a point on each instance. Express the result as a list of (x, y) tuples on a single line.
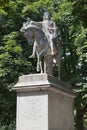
[(70, 17)]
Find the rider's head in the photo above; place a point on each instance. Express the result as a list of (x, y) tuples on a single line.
[(46, 16)]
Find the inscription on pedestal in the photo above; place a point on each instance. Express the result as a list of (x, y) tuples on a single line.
[(31, 114), (32, 108)]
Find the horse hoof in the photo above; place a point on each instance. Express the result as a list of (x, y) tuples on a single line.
[(32, 56)]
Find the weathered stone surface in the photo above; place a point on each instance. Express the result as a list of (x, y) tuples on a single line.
[(43, 36), (42, 81), (44, 103), (32, 111)]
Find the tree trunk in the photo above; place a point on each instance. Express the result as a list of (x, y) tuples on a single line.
[(80, 115), (79, 120)]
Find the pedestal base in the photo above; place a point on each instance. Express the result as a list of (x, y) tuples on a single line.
[(44, 103)]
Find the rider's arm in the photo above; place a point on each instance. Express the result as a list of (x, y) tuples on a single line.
[(39, 24)]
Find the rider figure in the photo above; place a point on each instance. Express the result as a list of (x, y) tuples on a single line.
[(50, 30)]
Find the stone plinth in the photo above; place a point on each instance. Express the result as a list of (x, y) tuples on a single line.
[(44, 103)]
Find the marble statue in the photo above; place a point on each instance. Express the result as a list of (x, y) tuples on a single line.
[(43, 36)]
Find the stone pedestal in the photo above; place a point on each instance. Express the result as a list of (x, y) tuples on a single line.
[(44, 103)]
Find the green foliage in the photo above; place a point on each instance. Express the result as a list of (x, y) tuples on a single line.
[(79, 37), (82, 46), (14, 59), (71, 19), (11, 127), (80, 11)]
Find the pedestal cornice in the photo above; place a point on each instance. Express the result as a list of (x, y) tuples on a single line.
[(43, 82)]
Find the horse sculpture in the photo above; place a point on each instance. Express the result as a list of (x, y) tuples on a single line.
[(35, 36)]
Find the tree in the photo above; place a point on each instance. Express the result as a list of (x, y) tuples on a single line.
[(14, 59), (79, 31), (14, 50)]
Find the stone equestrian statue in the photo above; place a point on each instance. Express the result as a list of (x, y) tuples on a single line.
[(43, 36)]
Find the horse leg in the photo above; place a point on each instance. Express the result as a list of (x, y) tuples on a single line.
[(41, 67), (45, 66), (48, 64), (39, 64), (34, 50)]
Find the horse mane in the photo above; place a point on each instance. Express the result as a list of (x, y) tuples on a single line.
[(32, 24)]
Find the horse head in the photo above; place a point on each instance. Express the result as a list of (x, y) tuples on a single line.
[(27, 32)]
